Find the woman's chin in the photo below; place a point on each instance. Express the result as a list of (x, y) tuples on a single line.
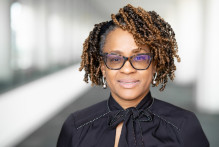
[(130, 95)]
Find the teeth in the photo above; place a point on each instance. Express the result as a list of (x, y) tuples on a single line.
[(129, 82)]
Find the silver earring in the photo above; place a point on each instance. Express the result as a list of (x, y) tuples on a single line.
[(104, 83), (154, 80)]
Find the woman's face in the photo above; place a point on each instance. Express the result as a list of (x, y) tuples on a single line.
[(126, 84)]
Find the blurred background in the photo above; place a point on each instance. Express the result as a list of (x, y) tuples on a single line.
[(40, 46)]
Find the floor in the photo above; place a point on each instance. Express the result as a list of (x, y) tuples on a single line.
[(46, 135)]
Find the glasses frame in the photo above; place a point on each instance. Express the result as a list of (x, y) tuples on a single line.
[(126, 59)]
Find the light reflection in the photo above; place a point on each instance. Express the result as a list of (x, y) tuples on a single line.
[(22, 24), (56, 37)]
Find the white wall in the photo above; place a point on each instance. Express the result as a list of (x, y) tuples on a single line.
[(5, 71), (208, 81), (189, 34), (26, 108)]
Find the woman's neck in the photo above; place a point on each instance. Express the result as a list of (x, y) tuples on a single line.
[(127, 103)]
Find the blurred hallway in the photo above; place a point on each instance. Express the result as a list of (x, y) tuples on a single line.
[(46, 135)]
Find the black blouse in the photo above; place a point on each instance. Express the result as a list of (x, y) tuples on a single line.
[(153, 123)]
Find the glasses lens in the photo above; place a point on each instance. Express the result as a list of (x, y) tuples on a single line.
[(141, 61), (114, 61)]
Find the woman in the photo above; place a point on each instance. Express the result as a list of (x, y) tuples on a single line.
[(127, 54)]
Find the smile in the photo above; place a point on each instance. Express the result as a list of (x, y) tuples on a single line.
[(128, 84)]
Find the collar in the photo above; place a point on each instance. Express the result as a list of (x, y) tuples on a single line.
[(131, 134), (145, 103)]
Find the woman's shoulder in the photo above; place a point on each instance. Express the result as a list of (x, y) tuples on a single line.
[(185, 122), (90, 113), (172, 114), (79, 119), (159, 105)]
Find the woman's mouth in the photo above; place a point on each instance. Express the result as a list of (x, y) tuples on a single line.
[(128, 83)]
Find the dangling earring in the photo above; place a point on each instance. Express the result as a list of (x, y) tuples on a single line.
[(104, 83), (154, 80)]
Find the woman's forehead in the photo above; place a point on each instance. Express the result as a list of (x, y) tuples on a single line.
[(132, 51), (122, 41)]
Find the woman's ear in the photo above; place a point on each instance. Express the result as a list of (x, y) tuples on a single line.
[(103, 69), (154, 70)]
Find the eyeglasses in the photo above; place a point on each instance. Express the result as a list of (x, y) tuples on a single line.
[(139, 61)]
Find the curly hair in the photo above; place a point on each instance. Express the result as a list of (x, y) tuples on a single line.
[(147, 28)]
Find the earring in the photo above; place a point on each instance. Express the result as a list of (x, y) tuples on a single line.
[(154, 80), (104, 83)]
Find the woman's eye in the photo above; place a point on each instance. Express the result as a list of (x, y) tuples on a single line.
[(140, 58), (115, 59)]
